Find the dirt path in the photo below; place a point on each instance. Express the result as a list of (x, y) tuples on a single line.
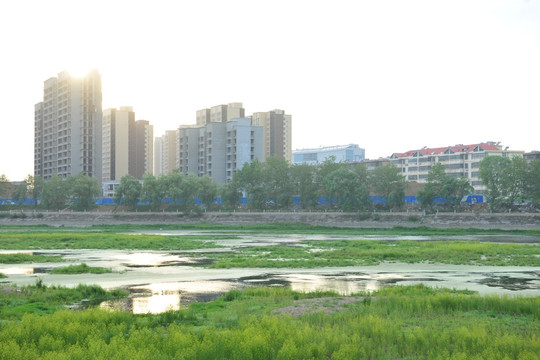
[(328, 305)]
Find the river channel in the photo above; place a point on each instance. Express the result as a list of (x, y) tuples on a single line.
[(169, 280)]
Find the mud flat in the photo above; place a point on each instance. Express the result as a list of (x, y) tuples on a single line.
[(506, 221)]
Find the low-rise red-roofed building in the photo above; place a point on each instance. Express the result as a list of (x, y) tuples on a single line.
[(458, 160)]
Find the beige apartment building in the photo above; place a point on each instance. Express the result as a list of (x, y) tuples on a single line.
[(165, 153), (459, 161), (220, 113), (277, 133), (127, 144), (67, 127)]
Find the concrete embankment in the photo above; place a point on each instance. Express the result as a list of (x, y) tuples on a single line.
[(364, 220)]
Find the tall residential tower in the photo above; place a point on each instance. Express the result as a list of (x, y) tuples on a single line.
[(127, 144), (277, 133), (67, 127)]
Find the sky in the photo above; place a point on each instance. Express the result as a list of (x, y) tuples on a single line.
[(388, 75)]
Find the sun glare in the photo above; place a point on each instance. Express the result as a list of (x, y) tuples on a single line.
[(79, 71)]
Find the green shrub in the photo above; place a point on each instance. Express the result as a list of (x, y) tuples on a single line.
[(80, 269)]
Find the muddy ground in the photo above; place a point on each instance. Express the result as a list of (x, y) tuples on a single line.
[(508, 221)]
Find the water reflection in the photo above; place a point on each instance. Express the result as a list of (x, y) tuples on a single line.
[(143, 259), (6, 252), (343, 283), (17, 270), (162, 297)]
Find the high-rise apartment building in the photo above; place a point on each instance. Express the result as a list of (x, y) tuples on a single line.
[(144, 148), (218, 149), (157, 156), (67, 127), (220, 113), (127, 144), (165, 153), (277, 133)]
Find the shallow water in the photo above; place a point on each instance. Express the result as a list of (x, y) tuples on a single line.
[(168, 280)]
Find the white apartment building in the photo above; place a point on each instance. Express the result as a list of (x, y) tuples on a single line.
[(459, 161), (67, 127)]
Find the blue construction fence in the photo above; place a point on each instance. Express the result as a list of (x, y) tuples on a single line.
[(323, 200)]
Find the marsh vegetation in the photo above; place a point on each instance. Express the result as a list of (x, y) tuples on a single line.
[(397, 322), (411, 322)]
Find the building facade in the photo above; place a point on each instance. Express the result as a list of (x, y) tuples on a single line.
[(220, 113), (127, 144), (531, 156), (340, 154), (165, 153), (459, 161), (277, 133), (67, 127), (218, 149), (144, 148)]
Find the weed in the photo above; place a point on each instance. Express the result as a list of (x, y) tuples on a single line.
[(80, 269)]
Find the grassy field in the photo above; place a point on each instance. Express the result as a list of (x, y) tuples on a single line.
[(314, 254), (394, 323), (32, 240), (27, 258), (391, 323), (40, 299), (303, 254)]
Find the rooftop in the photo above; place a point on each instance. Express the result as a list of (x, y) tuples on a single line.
[(460, 148)]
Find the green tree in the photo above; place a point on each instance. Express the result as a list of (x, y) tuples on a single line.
[(230, 194), (328, 166), (36, 185), (55, 193), (152, 191), (129, 190), (20, 192), (387, 181), (349, 189), (518, 178), (532, 181), (4, 182), (172, 185), (504, 179), (207, 191), (250, 179), (83, 190), (303, 180), (440, 184), (277, 180), (189, 190)]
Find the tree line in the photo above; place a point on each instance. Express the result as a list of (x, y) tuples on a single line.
[(273, 184)]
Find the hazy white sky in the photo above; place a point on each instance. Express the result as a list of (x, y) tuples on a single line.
[(390, 76)]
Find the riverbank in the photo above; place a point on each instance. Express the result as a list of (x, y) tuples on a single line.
[(506, 221)]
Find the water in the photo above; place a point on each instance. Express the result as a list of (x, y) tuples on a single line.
[(169, 280)]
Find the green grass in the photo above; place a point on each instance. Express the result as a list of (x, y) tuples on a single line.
[(283, 228), (27, 258), (100, 240), (80, 269), (369, 252), (399, 323), (40, 299)]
